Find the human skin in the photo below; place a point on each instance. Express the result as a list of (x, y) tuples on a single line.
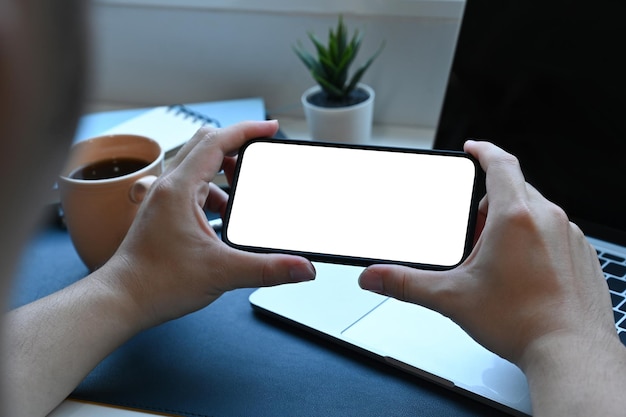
[(531, 290), (170, 264)]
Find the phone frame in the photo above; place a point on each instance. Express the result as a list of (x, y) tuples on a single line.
[(355, 260)]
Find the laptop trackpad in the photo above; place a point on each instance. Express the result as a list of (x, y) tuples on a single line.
[(433, 344), (328, 304)]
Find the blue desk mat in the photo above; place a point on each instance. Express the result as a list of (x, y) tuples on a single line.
[(226, 360)]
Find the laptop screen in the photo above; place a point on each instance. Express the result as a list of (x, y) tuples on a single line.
[(546, 84)]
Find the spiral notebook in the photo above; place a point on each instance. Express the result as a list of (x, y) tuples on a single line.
[(171, 126)]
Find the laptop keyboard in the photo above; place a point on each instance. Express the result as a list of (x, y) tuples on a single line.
[(614, 268)]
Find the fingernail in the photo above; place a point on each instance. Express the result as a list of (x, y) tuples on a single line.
[(372, 281), (302, 272)]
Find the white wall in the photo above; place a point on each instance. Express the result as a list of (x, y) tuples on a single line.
[(150, 52)]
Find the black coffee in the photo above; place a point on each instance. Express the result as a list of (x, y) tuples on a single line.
[(109, 168)]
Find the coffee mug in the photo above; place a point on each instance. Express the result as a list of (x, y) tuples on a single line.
[(101, 187)]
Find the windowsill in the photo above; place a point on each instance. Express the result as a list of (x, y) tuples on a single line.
[(296, 128), (416, 8), (382, 135)]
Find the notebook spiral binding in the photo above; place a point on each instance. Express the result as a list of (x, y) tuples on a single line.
[(181, 109)]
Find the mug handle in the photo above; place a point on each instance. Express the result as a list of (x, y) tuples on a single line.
[(139, 189)]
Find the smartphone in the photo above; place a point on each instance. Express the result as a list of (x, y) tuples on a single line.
[(352, 204)]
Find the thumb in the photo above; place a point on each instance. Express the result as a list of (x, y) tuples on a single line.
[(405, 284), (251, 270)]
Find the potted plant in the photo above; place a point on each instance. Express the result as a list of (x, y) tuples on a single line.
[(339, 107)]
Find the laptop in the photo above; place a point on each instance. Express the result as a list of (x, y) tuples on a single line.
[(521, 90)]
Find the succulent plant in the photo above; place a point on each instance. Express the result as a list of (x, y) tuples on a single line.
[(330, 68)]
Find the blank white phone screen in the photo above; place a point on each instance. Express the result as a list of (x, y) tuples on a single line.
[(363, 203)]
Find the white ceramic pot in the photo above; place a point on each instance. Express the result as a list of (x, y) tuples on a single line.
[(350, 124)]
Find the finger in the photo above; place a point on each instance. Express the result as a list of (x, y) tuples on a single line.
[(212, 145), (505, 182), (426, 288), (207, 132), (229, 168), (188, 146), (481, 218), (217, 200), (252, 270)]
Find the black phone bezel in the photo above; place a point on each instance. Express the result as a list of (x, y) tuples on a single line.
[(352, 260)]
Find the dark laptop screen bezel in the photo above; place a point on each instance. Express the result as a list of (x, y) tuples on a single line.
[(554, 95)]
